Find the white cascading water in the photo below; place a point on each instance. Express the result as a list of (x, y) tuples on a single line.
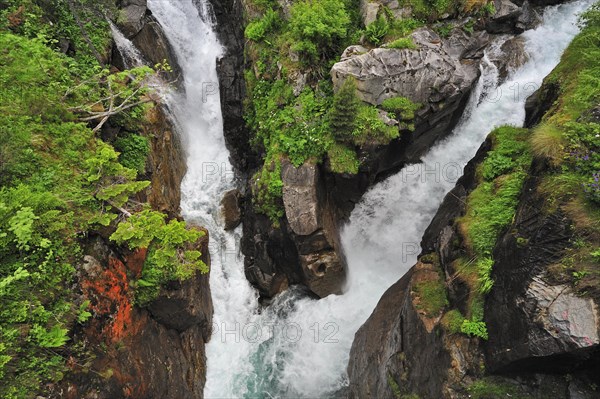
[(299, 347)]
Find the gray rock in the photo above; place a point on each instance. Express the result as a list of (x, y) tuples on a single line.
[(529, 18), (570, 319), (353, 50), (505, 18), (369, 10), (324, 271), (430, 74), (300, 197)]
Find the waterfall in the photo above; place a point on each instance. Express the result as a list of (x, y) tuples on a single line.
[(131, 55), (299, 347)]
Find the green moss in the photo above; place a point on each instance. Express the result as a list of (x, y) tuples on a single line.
[(491, 388), (432, 296), (394, 387)]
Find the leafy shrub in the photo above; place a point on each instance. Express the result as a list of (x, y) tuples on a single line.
[(268, 190), (258, 29), (370, 128), (377, 30), (168, 258), (489, 8), (444, 30), (315, 26), (474, 329), (133, 150)]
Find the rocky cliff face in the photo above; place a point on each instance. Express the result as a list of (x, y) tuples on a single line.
[(543, 335), (156, 351)]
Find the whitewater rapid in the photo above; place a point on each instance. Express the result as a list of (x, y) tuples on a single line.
[(299, 347)]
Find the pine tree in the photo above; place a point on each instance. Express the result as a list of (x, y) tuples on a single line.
[(342, 117)]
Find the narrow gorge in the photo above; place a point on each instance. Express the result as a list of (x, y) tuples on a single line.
[(300, 199)]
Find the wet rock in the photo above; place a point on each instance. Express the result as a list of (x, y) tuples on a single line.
[(232, 88), (325, 272), (394, 345), (166, 165), (568, 318), (154, 46), (512, 55), (131, 17), (182, 305), (231, 210), (530, 18), (530, 320)]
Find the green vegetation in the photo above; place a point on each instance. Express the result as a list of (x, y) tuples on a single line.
[(291, 107), (167, 259), (401, 108), (493, 388), (568, 138), (59, 182), (316, 28), (432, 296), (343, 159), (257, 30), (394, 387), (490, 210), (402, 43), (133, 150), (309, 122), (377, 30), (345, 106), (453, 321)]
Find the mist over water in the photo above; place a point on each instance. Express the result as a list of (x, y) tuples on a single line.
[(299, 347)]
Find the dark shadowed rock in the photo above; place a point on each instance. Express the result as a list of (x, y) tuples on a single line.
[(231, 210), (153, 44), (230, 69), (539, 102)]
